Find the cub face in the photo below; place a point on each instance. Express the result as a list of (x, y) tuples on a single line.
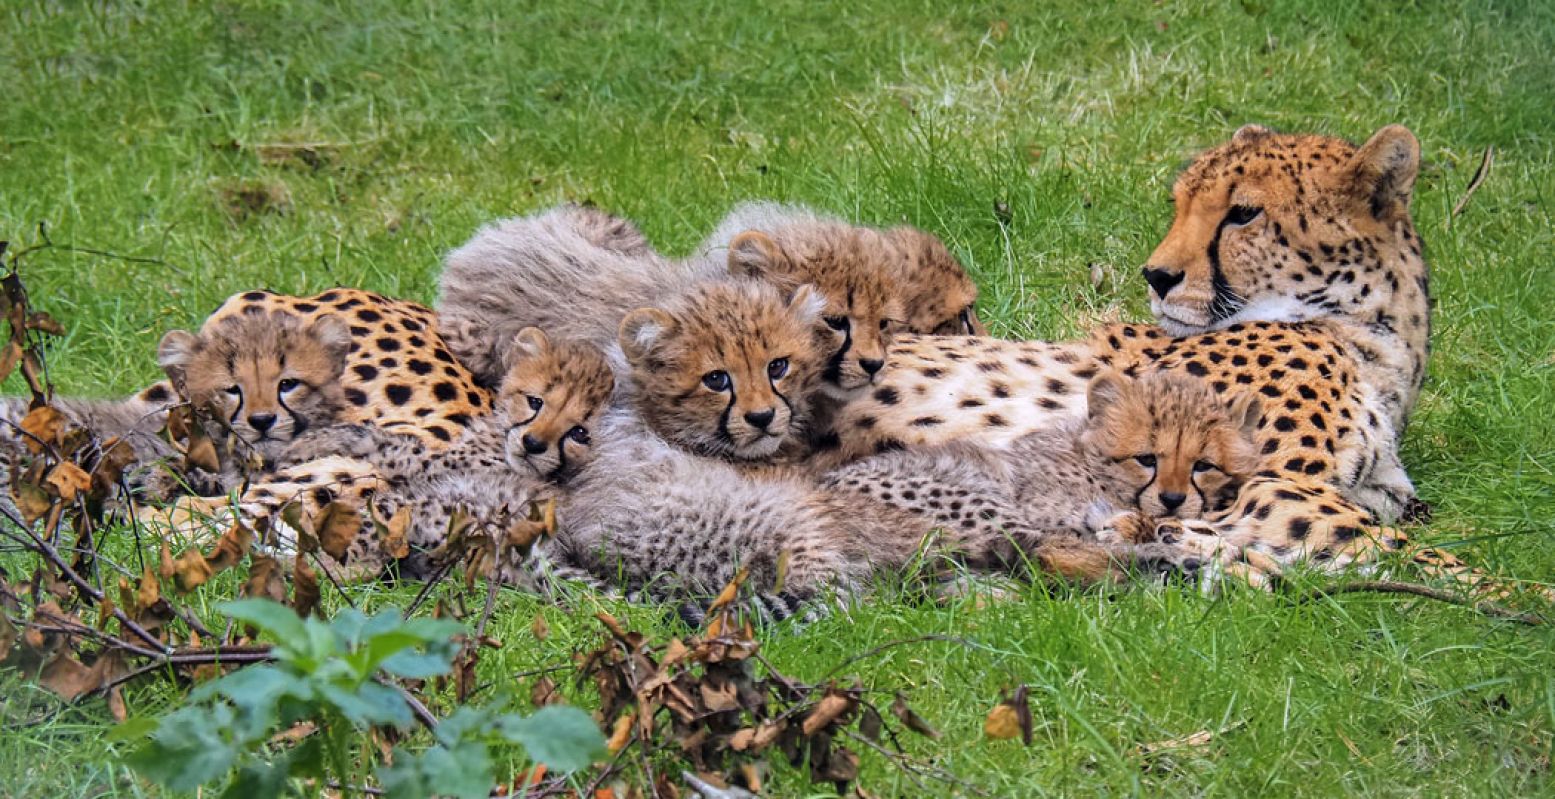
[(727, 369), (848, 268), (552, 394), (939, 293), (265, 376), (1282, 228), (1169, 443)]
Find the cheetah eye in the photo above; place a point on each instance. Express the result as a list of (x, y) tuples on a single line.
[(579, 434), (535, 403), (1147, 461), (837, 322), (777, 368), (885, 323), (717, 380), (234, 390), (1202, 466), (1240, 215), (289, 385)]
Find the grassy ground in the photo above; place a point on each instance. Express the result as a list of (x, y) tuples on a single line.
[(141, 128)]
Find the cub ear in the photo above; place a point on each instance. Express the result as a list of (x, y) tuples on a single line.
[(335, 336), (642, 330), (755, 254), (1248, 134), (1246, 411), (531, 342), (175, 352), (1105, 391), (1384, 170), (807, 304)]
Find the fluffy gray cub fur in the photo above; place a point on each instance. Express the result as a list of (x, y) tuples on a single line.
[(573, 272)]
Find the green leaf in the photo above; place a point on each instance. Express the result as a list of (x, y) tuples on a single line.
[(371, 703), (463, 771), (188, 750), (417, 665), (133, 729), (254, 688), (259, 781), (562, 737), (272, 618)]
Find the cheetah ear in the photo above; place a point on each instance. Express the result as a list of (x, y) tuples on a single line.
[(1246, 412), (175, 352), (531, 342), (1248, 134), (1384, 170), (335, 337), (642, 330), (1105, 391), (754, 254), (807, 304)]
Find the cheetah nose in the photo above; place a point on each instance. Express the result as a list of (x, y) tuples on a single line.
[(1161, 280), (871, 365), (532, 445), (261, 421), (1173, 500), (760, 419)]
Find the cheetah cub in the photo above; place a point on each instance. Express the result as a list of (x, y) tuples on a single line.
[(537, 438), (1158, 445), (261, 381)]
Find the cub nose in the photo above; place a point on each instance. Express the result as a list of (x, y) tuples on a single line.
[(532, 445), (760, 419), (1161, 280), (1173, 500), (870, 365), (261, 421)]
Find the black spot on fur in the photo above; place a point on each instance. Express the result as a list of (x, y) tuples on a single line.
[(887, 396), (356, 397), (445, 392), (1299, 528), (365, 371), (397, 394)]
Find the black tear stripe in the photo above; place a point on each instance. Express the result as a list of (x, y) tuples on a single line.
[(1142, 489), (723, 418), (299, 424), (833, 373), (1222, 305)]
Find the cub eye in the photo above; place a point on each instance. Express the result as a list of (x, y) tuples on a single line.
[(966, 321), (777, 368), (717, 380), (579, 434), (1202, 466), (884, 323), (289, 384), (535, 403), (1147, 461), (233, 390), (837, 322), (1240, 215)]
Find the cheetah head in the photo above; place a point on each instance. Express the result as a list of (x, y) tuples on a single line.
[(726, 370), (1284, 228), (552, 394), (265, 376), (1166, 444)]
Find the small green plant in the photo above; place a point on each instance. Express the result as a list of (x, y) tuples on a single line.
[(264, 729)]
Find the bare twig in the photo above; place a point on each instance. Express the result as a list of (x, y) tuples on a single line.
[(1480, 175), (1485, 607)]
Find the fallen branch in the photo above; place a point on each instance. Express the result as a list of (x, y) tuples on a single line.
[(1484, 607)]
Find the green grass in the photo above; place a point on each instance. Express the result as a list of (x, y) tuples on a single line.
[(122, 123)]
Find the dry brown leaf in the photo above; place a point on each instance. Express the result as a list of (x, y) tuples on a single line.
[(231, 547), (148, 592), (8, 636), (165, 566), (544, 692), (32, 502), (829, 709), (719, 698), (394, 531), (116, 706), (265, 579), (42, 424), (69, 679), (540, 628), (729, 592), (336, 526), (674, 652), (9, 358), (1002, 723), (911, 720), (68, 480), (295, 733), (41, 321), (191, 570), (305, 586), (621, 734)]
